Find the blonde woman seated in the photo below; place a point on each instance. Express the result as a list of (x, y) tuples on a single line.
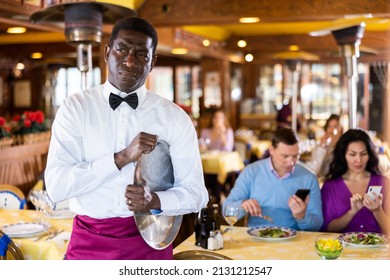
[(219, 135), (346, 205)]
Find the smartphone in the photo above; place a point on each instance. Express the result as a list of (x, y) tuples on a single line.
[(302, 193), (374, 189)]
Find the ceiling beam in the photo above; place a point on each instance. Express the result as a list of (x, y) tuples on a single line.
[(182, 12), (375, 40)]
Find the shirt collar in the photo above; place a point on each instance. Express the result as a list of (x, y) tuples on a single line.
[(108, 88), (273, 170)]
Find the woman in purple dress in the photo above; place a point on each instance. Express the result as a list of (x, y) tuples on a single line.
[(346, 204)]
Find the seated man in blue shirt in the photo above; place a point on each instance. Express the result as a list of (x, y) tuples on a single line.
[(267, 188)]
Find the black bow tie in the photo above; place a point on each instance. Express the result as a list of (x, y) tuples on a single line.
[(116, 100)]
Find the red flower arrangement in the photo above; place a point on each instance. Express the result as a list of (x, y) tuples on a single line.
[(4, 128), (30, 122)]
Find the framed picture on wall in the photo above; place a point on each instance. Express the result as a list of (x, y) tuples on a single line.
[(212, 90), (22, 93), (35, 3)]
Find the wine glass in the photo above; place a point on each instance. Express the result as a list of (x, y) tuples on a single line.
[(230, 214), (42, 202), (204, 144)]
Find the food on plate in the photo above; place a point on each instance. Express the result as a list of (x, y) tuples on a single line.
[(363, 238), (273, 233)]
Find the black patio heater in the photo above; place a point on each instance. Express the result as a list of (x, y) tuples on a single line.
[(83, 26), (295, 66), (348, 40)]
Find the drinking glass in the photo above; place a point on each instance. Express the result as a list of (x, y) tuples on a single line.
[(204, 144), (230, 214), (42, 202)]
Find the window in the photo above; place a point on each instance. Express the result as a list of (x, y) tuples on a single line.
[(69, 82), (183, 89), (320, 90), (160, 81)]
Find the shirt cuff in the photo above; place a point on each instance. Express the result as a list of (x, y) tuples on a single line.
[(106, 165)]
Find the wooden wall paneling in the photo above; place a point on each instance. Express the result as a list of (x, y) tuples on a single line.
[(34, 3), (15, 2)]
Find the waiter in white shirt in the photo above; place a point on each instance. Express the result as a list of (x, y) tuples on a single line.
[(97, 140)]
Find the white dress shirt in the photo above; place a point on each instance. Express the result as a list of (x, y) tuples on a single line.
[(86, 133)]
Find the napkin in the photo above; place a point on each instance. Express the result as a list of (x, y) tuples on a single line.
[(60, 239)]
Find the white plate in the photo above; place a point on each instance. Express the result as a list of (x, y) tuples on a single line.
[(383, 240), (255, 232), (61, 214), (24, 229)]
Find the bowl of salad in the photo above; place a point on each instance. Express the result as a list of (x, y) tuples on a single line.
[(329, 246)]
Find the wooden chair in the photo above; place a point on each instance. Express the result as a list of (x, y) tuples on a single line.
[(243, 148), (11, 198), (6, 244)]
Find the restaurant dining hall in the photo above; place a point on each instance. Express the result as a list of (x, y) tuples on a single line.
[(251, 130)]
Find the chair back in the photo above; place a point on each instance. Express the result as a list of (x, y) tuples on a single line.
[(6, 244), (243, 149), (11, 198)]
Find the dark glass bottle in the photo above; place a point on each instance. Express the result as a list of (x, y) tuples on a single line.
[(204, 228), (197, 222), (215, 217)]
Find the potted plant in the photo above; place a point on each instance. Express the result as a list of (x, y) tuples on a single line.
[(30, 127), (5, 135)]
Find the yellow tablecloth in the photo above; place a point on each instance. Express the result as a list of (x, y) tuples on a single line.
[(300, 247), (258, 147), (221, 163), (41, 249)]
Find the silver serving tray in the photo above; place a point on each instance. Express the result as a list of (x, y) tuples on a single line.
[(158, 231)]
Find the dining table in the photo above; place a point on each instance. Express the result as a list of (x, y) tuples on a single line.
[(221, 163), (257, 147), (49, 237), (239, 244)]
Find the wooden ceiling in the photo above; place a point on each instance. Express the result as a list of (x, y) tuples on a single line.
[(282, 23)]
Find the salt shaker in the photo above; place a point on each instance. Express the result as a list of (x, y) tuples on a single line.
[(219, 238), (212, 242)]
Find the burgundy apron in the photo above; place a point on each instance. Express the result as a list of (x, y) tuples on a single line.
[(110, 239)]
